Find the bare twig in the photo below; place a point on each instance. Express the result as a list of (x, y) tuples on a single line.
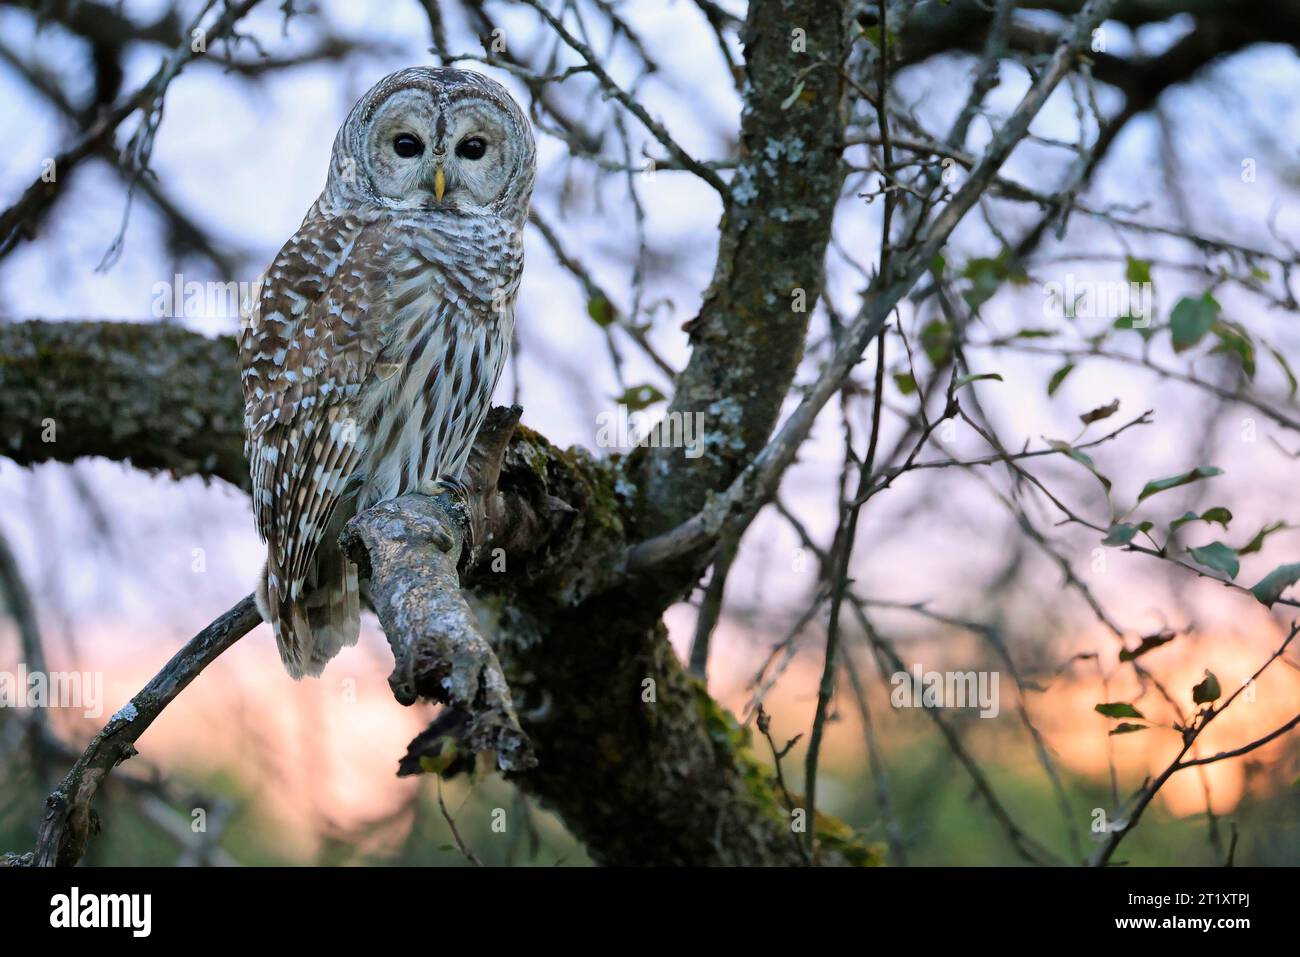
[(69, 819), (1190, 733)]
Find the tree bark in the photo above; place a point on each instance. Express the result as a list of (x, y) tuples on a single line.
[(154, 395), (749, 334)]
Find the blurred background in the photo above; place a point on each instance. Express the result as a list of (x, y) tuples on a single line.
[(123, 567)]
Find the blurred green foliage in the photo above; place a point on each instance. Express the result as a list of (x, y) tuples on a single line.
[(941, 817)]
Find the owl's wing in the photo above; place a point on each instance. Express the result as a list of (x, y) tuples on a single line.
[(308, 346)]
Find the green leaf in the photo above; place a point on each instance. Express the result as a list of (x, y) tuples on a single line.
[(938, 264), (872, 36), (1218, 556), (1257, 543), (1185, 478), (968, 379), (441, 762), (1125, 727), (1146, 330), (1099, 413), (1058, 377), (1119, 709), (1235, 340), (987, 274), (1219, 515), (1207, 691), (905, 381), (639, 397), (984, 283), (1124, 533), (1270, 587), (1034, 334), (600, 310), (1138, 270), (1286, 368), (936, 340), (1191, 320), (1148, 643), (1065, 449)]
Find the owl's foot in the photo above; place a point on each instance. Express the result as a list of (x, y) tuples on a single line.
[(452, 486), (448, 485)]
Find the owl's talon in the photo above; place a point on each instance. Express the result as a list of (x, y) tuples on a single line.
[(459, 492), (448, 485)]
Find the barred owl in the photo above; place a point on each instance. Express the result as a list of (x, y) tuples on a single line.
[(377, 336)]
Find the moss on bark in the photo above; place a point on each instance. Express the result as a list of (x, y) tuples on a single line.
[(157, 396)]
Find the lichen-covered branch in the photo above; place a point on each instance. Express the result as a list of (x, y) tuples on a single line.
[(151, 394), (749, 334), (408, 549)]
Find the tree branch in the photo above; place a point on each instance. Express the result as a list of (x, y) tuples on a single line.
[(151, 394), (746, 494), (20, 218), (409, 549), (69, 820)]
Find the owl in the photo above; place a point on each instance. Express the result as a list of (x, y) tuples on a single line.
[(375, 339)]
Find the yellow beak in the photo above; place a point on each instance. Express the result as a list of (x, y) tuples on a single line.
[(439, 183)]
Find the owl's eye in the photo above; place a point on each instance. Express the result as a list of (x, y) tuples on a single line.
[(471, 148), (405, 145)]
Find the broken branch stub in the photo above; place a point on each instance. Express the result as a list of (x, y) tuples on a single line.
[(410, 548)]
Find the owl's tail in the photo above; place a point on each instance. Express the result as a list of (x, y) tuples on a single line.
[(318, 617)]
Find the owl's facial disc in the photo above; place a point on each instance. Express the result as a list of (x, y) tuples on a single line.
[(429, 152), (471, 154)]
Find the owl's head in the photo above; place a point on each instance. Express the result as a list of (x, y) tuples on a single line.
[(437, 139)]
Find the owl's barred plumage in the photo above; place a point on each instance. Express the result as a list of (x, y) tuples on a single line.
[(378, 335)]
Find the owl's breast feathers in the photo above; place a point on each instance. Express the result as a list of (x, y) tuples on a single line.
[(368, 362)]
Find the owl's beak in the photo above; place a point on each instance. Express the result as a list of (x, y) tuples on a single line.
[(439, 183)]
